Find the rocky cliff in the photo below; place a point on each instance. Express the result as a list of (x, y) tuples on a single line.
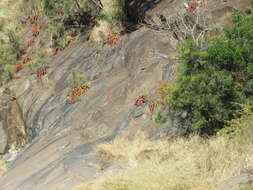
[(62, 134)]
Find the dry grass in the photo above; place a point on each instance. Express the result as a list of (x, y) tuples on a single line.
[(2, 166), (125, 150), (181, 164), (101, 31), (9, 10), (10, 15)]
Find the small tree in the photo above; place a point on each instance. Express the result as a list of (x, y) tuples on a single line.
[(212, 81), (185, 24)]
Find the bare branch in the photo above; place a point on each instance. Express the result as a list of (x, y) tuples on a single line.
[(185, 25)]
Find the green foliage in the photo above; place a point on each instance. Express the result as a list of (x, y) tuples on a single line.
[(243, 120), (160, 117), (65, 17), (67, 6), (116, 15), (212, 80), (180, 187), (15, 44), (10, 50), (75, 78), (38, 62), (246, 187)]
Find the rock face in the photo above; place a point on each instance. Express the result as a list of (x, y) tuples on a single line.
[(220, 10), (12, 128), (3, 139), (240, 182), (62, 135)]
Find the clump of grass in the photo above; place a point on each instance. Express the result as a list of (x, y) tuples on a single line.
[(192, 163), (248, 187), (2, 166), (132, 148), (110, 17)]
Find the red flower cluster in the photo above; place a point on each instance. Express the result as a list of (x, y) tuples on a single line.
[(77, 91), (18, 66), (193, 6), (42, 72), (30, 42), (26, 59), (113, 38), (33, 18), (35, 31), (140, 100)]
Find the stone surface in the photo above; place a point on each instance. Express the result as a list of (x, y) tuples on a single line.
[(62, 135), (13, 131), (220, 10), (137, 112), (3, 139), (238, 182)]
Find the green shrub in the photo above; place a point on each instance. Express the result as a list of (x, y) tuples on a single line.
[(212, 80), (10, 50), (69, 17), (39, 61), (160, 117), (15, 43), (243, 120), (116, 13)]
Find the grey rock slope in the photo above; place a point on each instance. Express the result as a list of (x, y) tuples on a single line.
[(62, 135)]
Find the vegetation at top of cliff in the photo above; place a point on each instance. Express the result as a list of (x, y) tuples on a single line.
[(89, 8), (10, 50), (212, 81), (70, 16), (54, 24)]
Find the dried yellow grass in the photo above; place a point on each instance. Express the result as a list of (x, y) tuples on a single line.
[(2, 167), (9, 10), (10, 15), (182, 164), (101, 31)]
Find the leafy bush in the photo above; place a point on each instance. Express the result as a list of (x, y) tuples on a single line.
[(160, 117), (39, 64), (212, 80), (243, 121), (15, 43), (69, 17), (10, 50)]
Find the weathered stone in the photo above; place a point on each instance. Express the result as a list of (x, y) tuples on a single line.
[(137, 112), (238, 182), (3, 139), (12, 128), (63, 135)]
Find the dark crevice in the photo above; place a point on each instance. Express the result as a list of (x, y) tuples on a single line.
[(134, 11)]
